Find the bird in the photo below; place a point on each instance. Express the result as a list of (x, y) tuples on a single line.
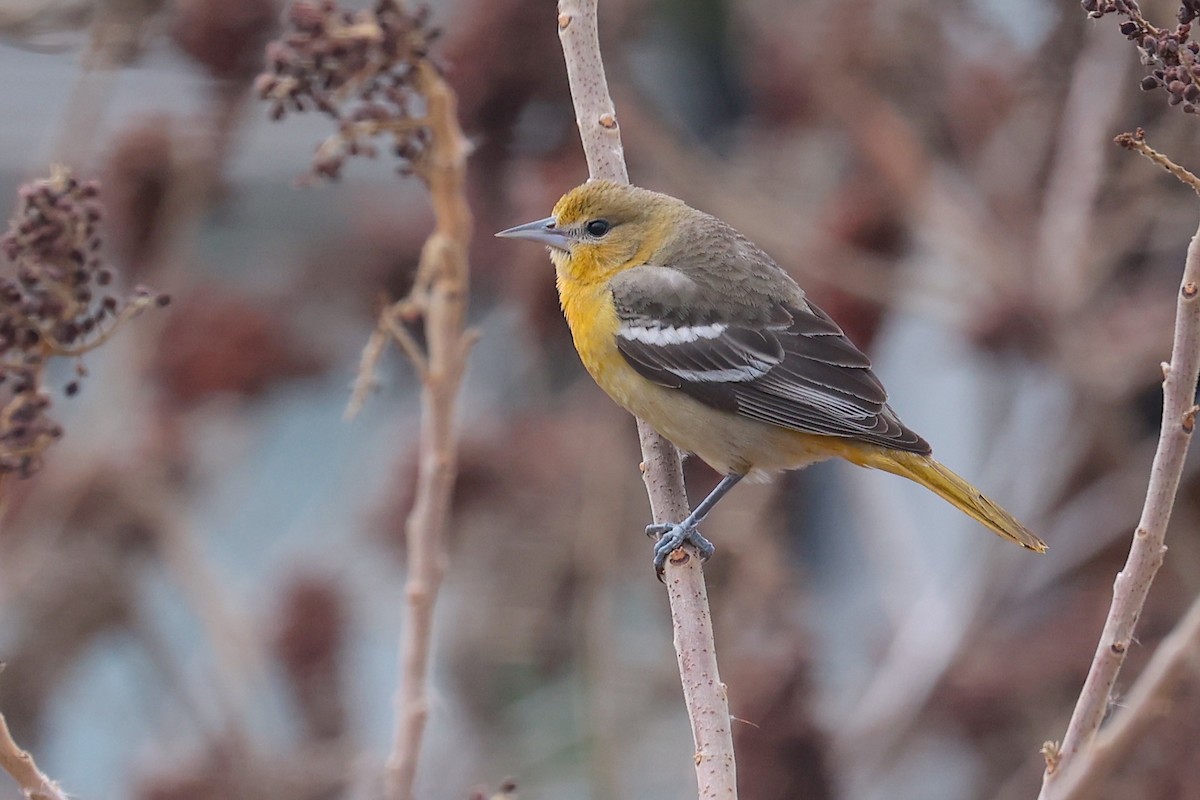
[(692, 327)]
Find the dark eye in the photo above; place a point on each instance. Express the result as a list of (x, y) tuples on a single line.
[(598, 227)]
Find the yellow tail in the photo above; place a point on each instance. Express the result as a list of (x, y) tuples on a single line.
[(950, 487)]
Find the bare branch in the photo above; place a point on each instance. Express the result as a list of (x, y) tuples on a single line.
[(1173, 659), (392, 321), (704, 694), (364, 378), (1136, 141), (1148, 548), (363, 94), (444, 301), (594, 111), (24, 770)]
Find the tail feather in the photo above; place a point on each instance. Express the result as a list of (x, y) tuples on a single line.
[(951, 488)]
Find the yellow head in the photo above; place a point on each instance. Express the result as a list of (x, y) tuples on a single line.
[(601, 228)]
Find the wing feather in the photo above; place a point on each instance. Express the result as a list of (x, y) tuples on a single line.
[(785, 364)]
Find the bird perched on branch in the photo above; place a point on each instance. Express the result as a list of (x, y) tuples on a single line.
[(692, 327)]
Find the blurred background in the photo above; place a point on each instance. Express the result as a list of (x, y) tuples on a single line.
[(200, 592)]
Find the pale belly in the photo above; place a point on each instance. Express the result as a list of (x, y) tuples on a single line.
[(728, 443)]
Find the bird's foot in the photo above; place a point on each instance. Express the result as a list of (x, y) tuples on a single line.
[(672, 536)]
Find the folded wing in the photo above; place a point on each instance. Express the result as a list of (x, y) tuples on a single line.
[(783, 363)]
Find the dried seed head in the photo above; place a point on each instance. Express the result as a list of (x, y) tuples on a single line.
[(356, 67), (48, 307), (1162, 50)]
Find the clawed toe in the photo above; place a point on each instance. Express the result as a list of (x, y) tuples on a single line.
[(656, 530), (671, 538)]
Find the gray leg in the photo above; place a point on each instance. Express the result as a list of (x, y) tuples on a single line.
[(674, 535)]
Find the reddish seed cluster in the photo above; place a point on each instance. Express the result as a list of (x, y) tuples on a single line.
[(54, 303), (356, 67), (25, 427), (1173, 73), (54, 241), (1174, 58)]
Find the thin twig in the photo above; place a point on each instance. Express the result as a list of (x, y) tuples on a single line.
[(391, 45), (1148, 548), (24, 770), (704, 694), (389, 327), (1173, 659), (368, 362), (443, 298), (393, 322), (132, 309), (1136, 141)]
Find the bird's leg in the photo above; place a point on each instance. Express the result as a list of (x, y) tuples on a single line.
[(673, 535)]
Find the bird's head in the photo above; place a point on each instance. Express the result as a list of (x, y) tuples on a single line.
[(601, 228)]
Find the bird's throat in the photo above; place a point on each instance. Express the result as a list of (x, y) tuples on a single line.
[(592, 319)]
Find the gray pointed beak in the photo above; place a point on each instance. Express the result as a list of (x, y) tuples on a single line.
[(542, 231)]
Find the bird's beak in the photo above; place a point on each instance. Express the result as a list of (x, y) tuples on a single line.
[(542, 231)]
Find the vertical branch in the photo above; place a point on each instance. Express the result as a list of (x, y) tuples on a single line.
[(370, 91), (1148, 548), (595, 114), (703, 692), (441, 294)]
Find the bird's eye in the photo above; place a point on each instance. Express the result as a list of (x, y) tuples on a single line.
[(598, 227)]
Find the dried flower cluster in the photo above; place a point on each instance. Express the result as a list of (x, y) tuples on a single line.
[(54, 303), (357, 67), (1171, 55)]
